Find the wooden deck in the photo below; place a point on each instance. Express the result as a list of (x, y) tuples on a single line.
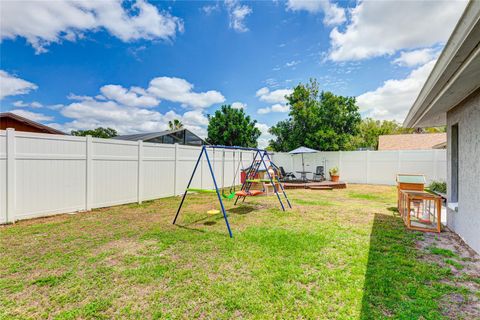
[(324, 185)]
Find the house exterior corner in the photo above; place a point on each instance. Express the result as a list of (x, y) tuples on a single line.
[(465, 221)]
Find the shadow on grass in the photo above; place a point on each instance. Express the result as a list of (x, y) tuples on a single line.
[(196, 221), (244, 209), (209, 220), (393, 209), (398, 283), (189, 228)]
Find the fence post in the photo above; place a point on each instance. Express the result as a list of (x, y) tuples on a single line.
[(368, 167), (175, 171), (201, 173), (292, 161), (399, 162), (140, 172), (10, 175), (339, 162), (89, 174)]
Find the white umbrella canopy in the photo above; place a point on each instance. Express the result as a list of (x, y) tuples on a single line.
[(302, 150)]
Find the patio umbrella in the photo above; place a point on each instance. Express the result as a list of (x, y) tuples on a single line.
[(301, 151)]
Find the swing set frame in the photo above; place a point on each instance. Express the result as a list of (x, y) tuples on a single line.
[(252, 171)]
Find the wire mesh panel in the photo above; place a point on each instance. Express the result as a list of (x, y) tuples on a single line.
[(420, 210)]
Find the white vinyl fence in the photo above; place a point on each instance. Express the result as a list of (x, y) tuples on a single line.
[(370, 167), (43, 174)]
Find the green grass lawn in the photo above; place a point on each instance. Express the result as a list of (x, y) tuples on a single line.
[(338, 254)]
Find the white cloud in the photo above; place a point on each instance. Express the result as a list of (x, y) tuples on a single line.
[(180, 90), (262, 91), (134, 97), (209, 9), (275, 108), (72, 96), (416, 57), (237, 14), (36, 104), (196, 121), (44, 22), (265, 136), (21, 104), (130, 110), (271, 82), (334, 15), (160, 88), (57, 106), (276, 96), (239, 105), (280, 108), (90, 113), (194, 118), (11, 85), (262, 127), (292, 63), (378, 28), (39, 117), (394, 98)]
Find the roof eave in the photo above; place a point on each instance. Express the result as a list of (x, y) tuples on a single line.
[(31, 123)]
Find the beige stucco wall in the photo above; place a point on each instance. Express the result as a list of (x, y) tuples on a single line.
[(466, 222)]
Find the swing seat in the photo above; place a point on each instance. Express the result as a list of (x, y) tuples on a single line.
[(252, 193), (213, 211), (228, 196)]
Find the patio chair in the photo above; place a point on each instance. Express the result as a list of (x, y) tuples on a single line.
[(286, 175), (319, 174)]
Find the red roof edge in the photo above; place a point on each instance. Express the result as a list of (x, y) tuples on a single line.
[(31, 122)]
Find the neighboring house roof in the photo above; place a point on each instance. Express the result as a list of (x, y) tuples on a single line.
[(442, 145), (40, 127), (411, 141), (142, 136), (455, 75), (151, 135)]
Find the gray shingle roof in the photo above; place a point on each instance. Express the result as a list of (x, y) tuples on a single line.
[(143, 136), (150, 135)]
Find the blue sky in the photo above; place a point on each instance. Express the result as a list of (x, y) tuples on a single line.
[(134, 65)]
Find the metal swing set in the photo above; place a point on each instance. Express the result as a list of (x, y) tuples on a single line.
[(261, 157)]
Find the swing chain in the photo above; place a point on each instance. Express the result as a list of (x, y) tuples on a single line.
[(237, 171)]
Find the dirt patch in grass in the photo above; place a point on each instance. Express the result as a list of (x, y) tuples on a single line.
[(447, 250), (125, 246), (314, 202), (113, 252)]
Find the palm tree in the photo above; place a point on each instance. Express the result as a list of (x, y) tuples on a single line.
[(175, 124)]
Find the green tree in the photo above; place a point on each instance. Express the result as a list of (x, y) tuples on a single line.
[(283, 132), (99, 132), (369, 130), (318, 120), (232, 127), (175, 124)]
